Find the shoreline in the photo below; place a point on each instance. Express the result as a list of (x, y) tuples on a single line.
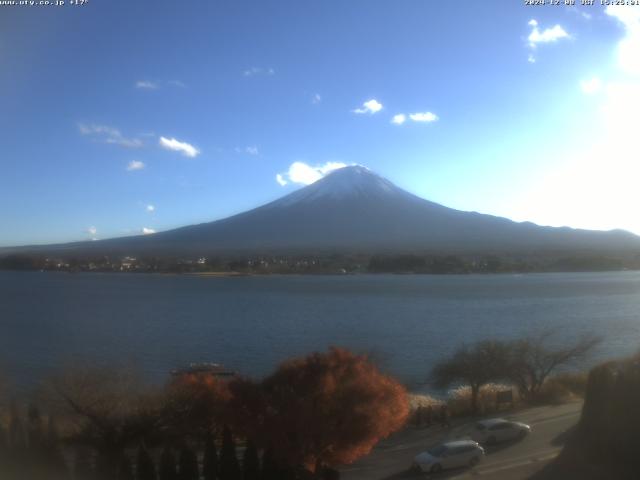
[(222, 274)]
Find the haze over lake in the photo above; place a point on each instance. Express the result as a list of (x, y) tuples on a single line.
[(49, 320)]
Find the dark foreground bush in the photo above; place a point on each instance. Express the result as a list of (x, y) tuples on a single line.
[(609, 427), (605, 443)]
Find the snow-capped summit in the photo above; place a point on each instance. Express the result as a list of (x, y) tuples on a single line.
[(343, 183)]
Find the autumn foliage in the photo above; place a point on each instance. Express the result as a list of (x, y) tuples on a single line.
[(324, 409), (311, 414), (195, 403)]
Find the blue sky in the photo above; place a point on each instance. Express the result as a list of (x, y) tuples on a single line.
[(122, 117)]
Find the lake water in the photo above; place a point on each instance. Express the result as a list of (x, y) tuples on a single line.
[(50, 320)]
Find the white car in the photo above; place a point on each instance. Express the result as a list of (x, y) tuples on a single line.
[(498, 430), (461, 453)]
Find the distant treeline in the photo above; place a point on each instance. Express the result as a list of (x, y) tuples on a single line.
[(331, 263), (496, 264)]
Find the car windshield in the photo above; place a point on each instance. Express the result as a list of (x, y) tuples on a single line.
[(437, 451)]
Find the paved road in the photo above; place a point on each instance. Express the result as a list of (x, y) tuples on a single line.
[(513, 460)]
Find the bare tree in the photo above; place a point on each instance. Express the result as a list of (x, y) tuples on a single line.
[(111, 409), (533, 359), (475, 365)]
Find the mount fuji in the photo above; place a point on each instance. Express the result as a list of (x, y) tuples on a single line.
[(353, 209)]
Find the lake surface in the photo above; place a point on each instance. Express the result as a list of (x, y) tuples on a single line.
[(52, 320)]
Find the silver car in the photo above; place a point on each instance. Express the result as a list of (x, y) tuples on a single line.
[(460, 453), (498, 430)]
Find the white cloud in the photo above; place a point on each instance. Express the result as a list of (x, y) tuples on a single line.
[(146, 85), (531, 58), (125, 142), (92, 231), (184, 148), (150, 208), (580, 12), (134, 165), (149, 85), (629, 16), (300, 172), (108, 134), (305, 174), (316, 99), (98, 130), (370, 106), (147, 231), (250, 150), (250, 72), (423, 117), (627, 51), (591, 86), (548, 35)]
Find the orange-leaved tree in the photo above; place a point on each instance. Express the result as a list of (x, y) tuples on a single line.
[(324, 409), (194, 404)]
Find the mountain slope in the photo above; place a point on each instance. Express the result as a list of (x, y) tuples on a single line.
[(356, 210)]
